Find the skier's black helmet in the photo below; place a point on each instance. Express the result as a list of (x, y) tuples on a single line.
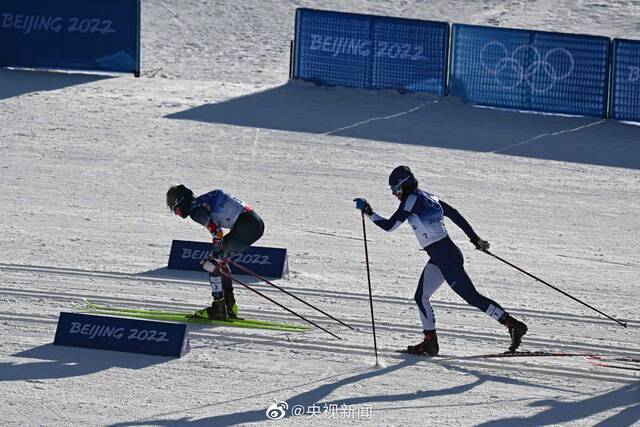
[(402, 181), (179, 199)]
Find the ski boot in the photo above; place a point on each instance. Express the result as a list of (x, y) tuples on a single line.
[(429, 346), (229, 298), (217, 311), (230, 303), (517, 330)]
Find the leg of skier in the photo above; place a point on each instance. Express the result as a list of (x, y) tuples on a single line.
[(452, 267), (429, 282), (246, 231), (218, 309)]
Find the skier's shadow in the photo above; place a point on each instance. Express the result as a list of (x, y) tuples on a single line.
[(64, 362), (314, 398), (626, 398)]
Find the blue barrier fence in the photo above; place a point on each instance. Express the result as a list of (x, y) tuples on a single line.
[(530, 70), (99, 35), (265, 261), (122, 334), (372, 52), (501, 67), (625, 90)]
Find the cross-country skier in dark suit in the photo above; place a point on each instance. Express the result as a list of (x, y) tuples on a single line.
[(214, 211), (425, 213)]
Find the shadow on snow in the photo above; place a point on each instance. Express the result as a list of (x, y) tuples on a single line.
[(66, 362), (426, 120), (20, 82), (560, 412)]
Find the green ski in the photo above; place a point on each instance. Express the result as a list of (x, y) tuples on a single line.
[(179, 316), (182, 313)]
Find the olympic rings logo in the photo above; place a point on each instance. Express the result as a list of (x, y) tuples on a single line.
[(542, 73)]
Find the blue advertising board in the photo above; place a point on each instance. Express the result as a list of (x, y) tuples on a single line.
[(269, 262), (100, 35), (370, 52), (625, 87), (530, 70), (122, 334)]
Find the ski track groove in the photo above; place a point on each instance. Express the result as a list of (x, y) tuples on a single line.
[(299, 343), (247, 341), (309, 292), (472, 336)]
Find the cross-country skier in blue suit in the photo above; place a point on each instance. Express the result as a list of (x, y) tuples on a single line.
[(425, 213), (216, 210)]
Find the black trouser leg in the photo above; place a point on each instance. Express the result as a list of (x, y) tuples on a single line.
[(247, 230)]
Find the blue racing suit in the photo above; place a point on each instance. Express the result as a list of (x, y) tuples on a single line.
[(425, 213)]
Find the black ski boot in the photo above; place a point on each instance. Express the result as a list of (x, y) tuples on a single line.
[(429, 346), (229, 298), (230, 303), (517, 330), (217, 311)]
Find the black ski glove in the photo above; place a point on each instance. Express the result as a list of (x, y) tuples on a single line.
[(480, 244), (210, 263)]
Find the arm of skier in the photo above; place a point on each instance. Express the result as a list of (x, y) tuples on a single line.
[(398, 217), (201, 215), (392, 223), (457, 218)]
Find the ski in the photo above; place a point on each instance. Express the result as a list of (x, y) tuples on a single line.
[(625, 363), (611, 365), (537, 353), (617, 359), (185, 319), (178, 316), (506, 354), (181, 313)]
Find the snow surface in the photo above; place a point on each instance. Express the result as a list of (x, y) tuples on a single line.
[(85, 162)]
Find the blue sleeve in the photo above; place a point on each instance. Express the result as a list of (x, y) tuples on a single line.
[(399, 215), (457, 218), (200, 214)]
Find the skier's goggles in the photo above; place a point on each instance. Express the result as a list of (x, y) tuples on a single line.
[(175, 209), (397, 188)]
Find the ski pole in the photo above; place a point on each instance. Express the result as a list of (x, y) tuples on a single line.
[(256, 275), (366, 257), (553, 287), (280, 305)]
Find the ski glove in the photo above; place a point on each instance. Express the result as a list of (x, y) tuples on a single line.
[(217, 247), (480, 244), (209, 263), (363, 206)]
